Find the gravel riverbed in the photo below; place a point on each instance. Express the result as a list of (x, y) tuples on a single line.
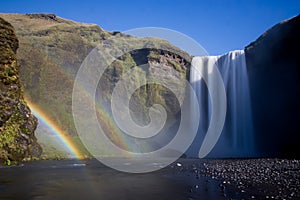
[(251, 178)]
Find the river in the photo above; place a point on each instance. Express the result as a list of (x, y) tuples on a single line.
[(89, 179)]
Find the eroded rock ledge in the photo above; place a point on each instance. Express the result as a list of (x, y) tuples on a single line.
[(17, 123)]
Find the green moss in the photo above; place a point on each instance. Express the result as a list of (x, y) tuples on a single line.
[(154, 56), (16, 122), (50, 54), (175, 65)]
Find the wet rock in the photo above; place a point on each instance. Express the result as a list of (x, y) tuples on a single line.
[(257, 178), (17, 124)]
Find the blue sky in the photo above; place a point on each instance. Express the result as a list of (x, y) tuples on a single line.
[(218, 25)]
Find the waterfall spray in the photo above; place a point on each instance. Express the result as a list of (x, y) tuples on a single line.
[(236, 138)]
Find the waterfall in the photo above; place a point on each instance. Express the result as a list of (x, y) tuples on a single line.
[(233, 109)]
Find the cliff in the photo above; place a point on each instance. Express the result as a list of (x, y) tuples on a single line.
[(273, 62), (17, 124), (52, 50)]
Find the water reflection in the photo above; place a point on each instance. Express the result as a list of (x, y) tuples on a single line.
[(73, 179)]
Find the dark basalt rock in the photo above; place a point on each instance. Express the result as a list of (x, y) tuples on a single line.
[(273, 62), (42, 16), (17, 124)]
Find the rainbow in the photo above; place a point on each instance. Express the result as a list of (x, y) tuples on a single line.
[(62, 135)]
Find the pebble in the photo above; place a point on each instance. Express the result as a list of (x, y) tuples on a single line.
[(255, 177)]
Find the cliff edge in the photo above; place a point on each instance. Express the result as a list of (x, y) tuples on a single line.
[(17, 123)]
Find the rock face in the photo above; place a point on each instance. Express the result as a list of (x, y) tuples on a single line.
[(17, 124), (52, 50), (273, 63)]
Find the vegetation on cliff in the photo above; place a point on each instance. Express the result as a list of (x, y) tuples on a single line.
[(17, 124), (52, 50)]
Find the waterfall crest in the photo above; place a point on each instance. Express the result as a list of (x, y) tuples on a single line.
[(235, 139)]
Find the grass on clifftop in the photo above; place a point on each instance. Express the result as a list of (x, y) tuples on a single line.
[(51, 51)]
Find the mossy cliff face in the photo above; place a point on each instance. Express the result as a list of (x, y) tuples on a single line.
[(52, 50), (17, 124)]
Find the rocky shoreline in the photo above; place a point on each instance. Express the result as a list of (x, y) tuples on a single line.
[(260, 178)]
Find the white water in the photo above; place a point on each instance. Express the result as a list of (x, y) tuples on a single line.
[(236, 138)]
